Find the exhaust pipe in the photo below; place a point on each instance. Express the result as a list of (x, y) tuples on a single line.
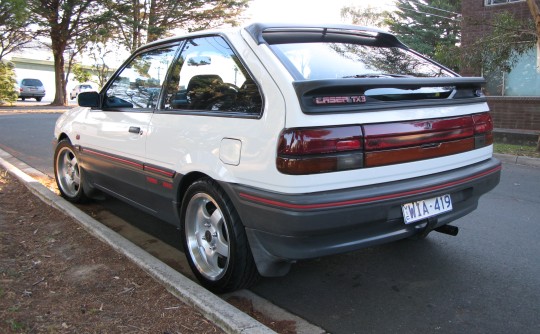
[(448, 229)]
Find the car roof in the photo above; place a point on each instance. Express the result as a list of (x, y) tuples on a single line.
[(187, 35)]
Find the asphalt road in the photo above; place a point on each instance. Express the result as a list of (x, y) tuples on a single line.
[(29, 137), (485, 280)]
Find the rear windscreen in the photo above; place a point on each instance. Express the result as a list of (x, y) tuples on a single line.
[(346, 60), (31, 82)]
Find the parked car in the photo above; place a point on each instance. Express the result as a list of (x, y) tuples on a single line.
[(79, 89), (270, 144), (31, 88)]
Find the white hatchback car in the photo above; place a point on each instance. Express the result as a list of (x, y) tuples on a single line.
[(275, 143)]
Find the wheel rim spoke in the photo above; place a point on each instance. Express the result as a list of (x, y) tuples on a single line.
[(222, 248), (71, 185), (73, 162), (212, 260), (76, 178), (216, 220), (200, 239), (67, 160)]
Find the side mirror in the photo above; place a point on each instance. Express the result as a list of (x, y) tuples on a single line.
[(88, 99)]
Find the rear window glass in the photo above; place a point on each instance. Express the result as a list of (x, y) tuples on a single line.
[(86, 87), (31, 82), (345, 60)]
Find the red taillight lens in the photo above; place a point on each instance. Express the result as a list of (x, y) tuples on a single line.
[(482, 123), (320, 150), (483, 130), (320, 140), (405, 134)]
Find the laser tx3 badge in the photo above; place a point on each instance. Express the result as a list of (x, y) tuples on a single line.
[(319, 100)]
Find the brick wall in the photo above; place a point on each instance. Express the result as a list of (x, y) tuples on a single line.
[(515, 112)]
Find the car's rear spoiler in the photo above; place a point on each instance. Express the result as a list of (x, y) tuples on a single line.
[(363, 94)]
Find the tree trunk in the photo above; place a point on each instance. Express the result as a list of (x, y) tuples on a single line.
[(59, 79), (58, 46)]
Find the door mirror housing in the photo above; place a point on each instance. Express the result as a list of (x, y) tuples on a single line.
[(88, 99)]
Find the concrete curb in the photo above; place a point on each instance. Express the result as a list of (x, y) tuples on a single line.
[(518, 160), (224, 315)]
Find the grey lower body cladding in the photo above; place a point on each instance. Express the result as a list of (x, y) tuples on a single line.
[(284, 228)]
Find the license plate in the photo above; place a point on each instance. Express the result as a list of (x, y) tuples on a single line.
[(423, 209)]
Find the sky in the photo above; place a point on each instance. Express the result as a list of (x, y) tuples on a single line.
[(306, 11)]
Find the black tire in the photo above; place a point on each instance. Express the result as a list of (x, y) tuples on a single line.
[(22, 98), (214, 239), (68, 173), (39, 99)]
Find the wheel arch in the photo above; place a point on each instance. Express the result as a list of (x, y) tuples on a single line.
[(63, 136), (184, 184)]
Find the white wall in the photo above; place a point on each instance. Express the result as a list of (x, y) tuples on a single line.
[(47, 77)]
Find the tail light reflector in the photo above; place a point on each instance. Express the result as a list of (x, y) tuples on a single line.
[(415, 153)]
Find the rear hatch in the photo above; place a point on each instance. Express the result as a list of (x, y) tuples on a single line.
[(404, 107), (32, 86)]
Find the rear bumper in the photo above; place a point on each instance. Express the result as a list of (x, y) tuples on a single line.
[(32, 94), (282, 228)]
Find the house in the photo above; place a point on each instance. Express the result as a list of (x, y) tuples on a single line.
[(514, 97)]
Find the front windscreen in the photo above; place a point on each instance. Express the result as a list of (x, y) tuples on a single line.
[(345, 60)]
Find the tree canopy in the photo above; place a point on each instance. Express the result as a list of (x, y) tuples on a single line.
[(15, 30), (367, 17), (431, 27), (7, 83), (137, 22)]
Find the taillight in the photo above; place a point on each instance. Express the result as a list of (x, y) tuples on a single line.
[(320, 150), (330, 149), (483, 130)]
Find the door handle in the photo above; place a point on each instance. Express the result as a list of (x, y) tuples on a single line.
[(135, 129)]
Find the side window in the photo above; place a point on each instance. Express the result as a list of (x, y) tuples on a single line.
[(208, 76), (138, 85)]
